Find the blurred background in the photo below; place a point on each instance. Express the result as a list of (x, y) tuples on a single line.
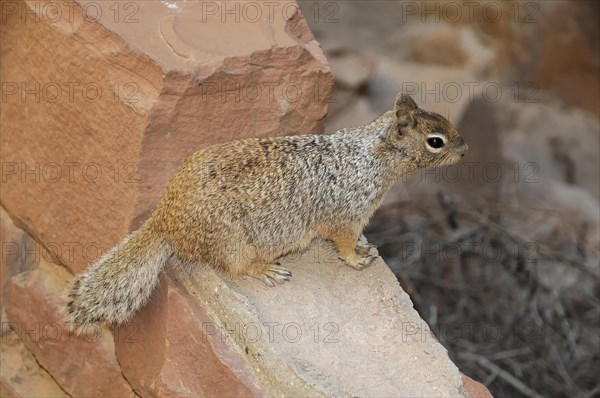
[(500, 254)]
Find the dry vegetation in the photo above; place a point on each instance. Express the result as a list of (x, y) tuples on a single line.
[(518, 311)]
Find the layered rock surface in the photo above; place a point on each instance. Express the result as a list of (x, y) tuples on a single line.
[(83, 366), (331, 331), (21, 375), (94, 128)]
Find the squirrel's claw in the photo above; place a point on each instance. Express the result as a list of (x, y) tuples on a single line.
[(267, 280), (363, 255), (270, 273), (367, 250), (359, 262)]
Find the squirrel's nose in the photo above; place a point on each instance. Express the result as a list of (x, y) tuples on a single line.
[(465, 147)]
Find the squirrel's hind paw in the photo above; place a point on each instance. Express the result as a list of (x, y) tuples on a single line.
[(269, 273)]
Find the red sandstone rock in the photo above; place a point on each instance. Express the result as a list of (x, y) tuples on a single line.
[(21, 375), (93, 129), (9, 251), (164, 351), (19, 252), (82, 366), (171, 347), (475, 389)]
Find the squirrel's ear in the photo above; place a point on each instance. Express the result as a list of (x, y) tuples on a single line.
[(405, 101), (404, 119)]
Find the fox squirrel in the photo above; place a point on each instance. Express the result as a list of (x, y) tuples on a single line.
[(241, 205)]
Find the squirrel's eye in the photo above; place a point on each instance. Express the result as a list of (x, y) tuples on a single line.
[(435, 142)]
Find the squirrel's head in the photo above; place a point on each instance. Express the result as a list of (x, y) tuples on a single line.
[(427, 138)]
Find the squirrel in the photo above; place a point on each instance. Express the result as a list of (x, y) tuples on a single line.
[(241, 205)]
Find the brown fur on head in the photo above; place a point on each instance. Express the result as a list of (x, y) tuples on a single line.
[(427, 137)]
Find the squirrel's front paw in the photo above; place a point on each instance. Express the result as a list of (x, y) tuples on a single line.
[(359, 262), (365, 249)]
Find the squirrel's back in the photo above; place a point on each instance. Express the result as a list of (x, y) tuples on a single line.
[(258, 178), (270, 191)]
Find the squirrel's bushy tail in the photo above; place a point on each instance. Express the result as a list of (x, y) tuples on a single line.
[(119, 283)]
